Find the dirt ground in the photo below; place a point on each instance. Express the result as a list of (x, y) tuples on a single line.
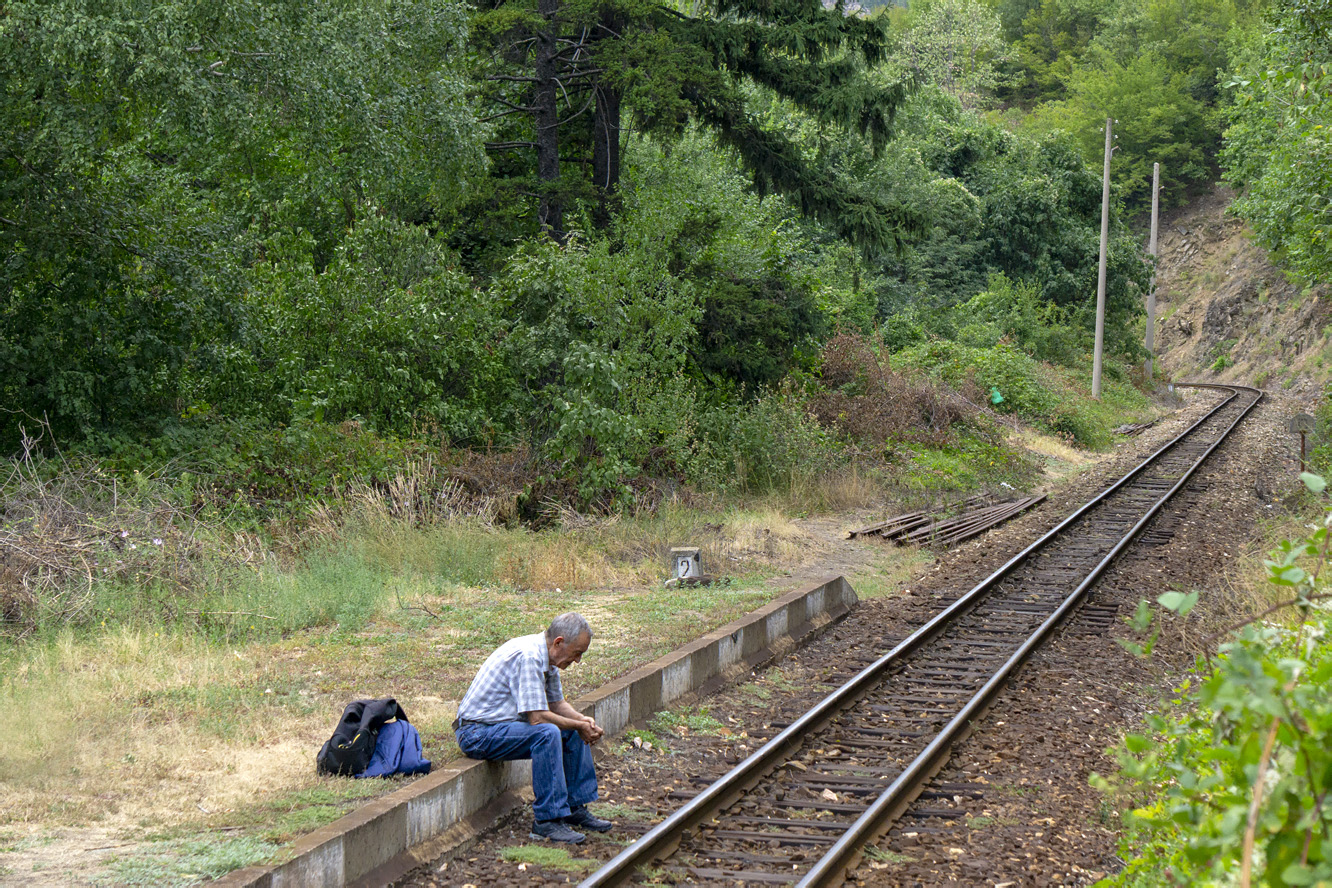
[(1034, 820)]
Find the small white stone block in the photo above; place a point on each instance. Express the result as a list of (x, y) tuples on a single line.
[(685, 562)]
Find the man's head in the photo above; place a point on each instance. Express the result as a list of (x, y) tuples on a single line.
[(567, 639)]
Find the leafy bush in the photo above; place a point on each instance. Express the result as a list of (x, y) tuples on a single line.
[(766, 445), (1015, 311), (387, 335), (1234, 780), (147, 150)]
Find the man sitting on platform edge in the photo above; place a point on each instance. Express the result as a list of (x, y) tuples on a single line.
[(515, 709)]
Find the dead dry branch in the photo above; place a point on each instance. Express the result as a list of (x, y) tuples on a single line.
[(66, 528)]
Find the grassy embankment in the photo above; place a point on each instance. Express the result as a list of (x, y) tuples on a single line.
[(187, 672)]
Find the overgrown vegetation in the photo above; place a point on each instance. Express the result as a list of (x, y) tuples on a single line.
[(1230, 783), (313, 324)]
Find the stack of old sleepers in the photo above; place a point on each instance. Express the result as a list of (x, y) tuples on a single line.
[(951, 531), (923, 529), (895, 528), (1131, 429)]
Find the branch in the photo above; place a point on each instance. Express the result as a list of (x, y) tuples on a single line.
[(1246, 858), (1256, 617), (527, 108), (505, 146), (502, 114)]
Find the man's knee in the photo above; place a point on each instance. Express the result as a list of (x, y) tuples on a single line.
[(546, 733)]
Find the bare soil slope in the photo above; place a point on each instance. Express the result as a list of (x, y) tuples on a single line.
[(1226, 313)]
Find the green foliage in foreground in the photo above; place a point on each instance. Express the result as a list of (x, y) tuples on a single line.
[(1237, 775)]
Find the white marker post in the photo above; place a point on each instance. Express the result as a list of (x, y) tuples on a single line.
[(1100, 272)]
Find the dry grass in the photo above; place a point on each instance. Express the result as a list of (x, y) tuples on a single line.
[(66, 529), (1245, 583), (130, 731), (1048, 446)]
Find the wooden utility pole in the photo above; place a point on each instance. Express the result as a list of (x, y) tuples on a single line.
[(1100, 272), (1151, 288)]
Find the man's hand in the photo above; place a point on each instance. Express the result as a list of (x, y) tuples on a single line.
[(590, 731)]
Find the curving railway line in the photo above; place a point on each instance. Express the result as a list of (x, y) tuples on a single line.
[(800, 809)]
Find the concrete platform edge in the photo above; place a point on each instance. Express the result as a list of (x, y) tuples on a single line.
[(369, 838)]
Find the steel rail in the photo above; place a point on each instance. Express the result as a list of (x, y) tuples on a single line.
[(662, 839), (831, 868)]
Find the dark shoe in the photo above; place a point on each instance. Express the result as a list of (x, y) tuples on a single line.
[(585, 819), (555, 831)]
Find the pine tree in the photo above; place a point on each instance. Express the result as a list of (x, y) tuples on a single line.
[(565, 72)]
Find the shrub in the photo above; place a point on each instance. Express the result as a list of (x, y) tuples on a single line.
[(866, 400), (767, 445), (387, 335), (1232, 783)]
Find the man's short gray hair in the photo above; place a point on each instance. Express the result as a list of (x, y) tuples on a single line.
[(570, 627)]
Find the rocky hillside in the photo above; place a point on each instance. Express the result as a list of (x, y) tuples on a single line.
[(1226, 313)]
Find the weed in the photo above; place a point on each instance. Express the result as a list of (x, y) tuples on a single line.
[(756, 691), (697, 721), (545, 857), (886, 855), (188, 862), (641, 738)]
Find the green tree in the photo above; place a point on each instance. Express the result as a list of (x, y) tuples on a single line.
[(1054, 35), (1278, 145), (1157, 121), (1190, 38), (1003, 203), (562, 72), (147, 149), (954, 44)]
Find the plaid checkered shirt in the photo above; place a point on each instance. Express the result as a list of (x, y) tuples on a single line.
[(516, 679)]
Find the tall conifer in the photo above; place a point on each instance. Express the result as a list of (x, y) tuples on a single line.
[(598, 59)]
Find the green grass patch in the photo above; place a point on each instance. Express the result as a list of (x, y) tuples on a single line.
[(693, 720), (282, 819), (188, 862), (969, 463), (546, 857), (618, 812)]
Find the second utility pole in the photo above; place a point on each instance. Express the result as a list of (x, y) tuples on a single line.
[(1100, 272)]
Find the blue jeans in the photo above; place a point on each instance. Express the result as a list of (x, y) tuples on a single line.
[(563, 775)]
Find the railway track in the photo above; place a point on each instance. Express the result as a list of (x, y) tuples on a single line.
[(800, 809)]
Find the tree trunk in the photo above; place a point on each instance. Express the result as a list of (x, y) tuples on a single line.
[(550, 214)]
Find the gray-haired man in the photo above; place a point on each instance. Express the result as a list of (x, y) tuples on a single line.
[(515, 709)]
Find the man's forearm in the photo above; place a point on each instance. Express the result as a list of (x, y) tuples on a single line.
[(557, 718), (562, 707)]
